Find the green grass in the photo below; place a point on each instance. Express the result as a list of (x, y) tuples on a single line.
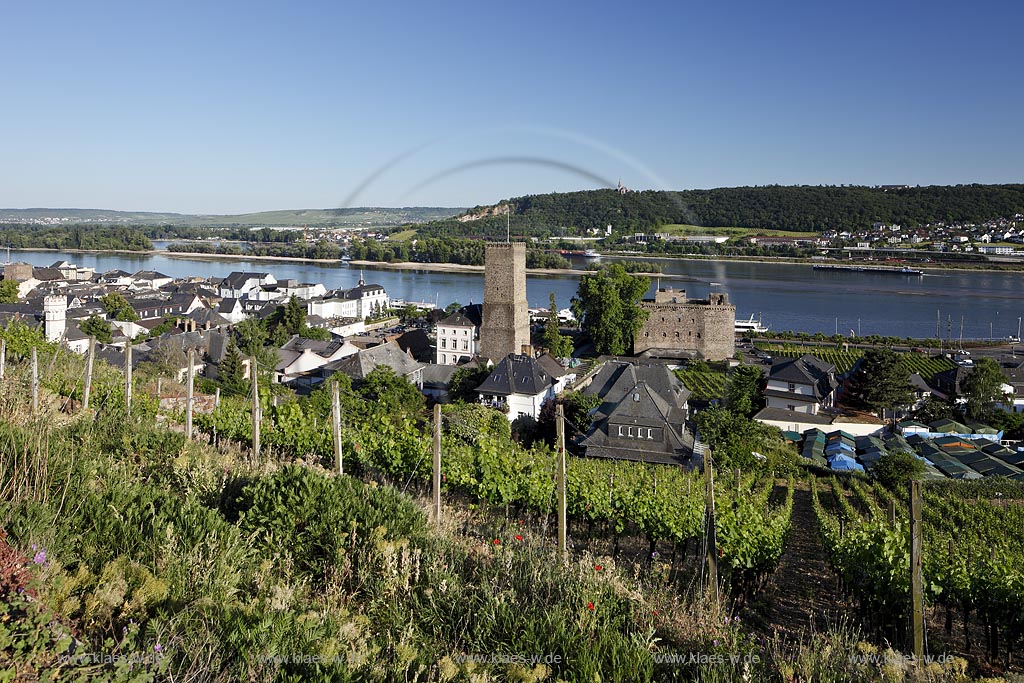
[(403, 236)]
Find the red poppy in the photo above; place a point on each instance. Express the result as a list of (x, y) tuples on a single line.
[(518, 537), (598, 567), (721, 553), (590, 605), (655, 612), (497, 541)]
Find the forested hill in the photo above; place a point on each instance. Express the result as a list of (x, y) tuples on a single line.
[(803, 208)]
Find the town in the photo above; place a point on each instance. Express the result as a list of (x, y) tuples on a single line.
[(643, 409)]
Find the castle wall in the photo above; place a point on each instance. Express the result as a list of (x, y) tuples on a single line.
[(704, 327), (506, 318)]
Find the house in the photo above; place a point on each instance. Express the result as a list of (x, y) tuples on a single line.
[(642, 415), (436, 380), (176, 304), (300, 359), (116, 278), (518, 386), (359, 365), (458, 335), (801, 385), (150, 279), (238, 285), (360, 302), (232, 310)]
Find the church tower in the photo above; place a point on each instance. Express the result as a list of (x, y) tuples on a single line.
[(506, 318)]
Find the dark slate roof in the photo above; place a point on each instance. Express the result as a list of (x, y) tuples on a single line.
[(806, 370), (359, 365), (149, 275), (467, 316), (616, 378), (551, 365), (516, 374), (360, 291), (645, 407), (202, 316), (239, 278), (47, 274), (416, 342), (324, 349), (438, 376), (115, 274)]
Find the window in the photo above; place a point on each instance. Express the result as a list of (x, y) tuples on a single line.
[(465, 345), (791, 407), (444, 359), (620, 430), (630, 430), (444, 343), (650, 433), (791, 387)]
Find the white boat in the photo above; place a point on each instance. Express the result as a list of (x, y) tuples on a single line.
[(590, 253), (747, 326)]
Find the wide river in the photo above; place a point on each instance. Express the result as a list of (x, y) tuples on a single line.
[(786, 296)]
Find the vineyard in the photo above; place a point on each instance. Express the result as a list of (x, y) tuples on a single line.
[(705, 385), (844, 360), (136, 540), (972, 566)]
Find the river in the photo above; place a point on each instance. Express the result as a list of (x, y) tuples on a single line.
[(787, 296)]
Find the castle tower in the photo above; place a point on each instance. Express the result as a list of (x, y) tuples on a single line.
[(55, 310), (506, 319)]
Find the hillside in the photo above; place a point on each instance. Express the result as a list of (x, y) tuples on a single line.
[(799, 208), (352, 217)]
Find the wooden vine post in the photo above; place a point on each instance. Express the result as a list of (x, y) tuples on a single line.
[(128, 376), (189, 395), (89, 359), (560, 435), (35, 381), (709, 523), (336, 425), (916, 578), (255, 410), (437, 464)]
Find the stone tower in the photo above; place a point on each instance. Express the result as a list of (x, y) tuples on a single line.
[(506, 319), (55, 310)]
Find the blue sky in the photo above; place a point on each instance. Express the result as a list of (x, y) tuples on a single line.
[(231, 107)]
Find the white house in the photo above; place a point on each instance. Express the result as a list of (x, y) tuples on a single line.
[(801, 385), (359, 302), (299, 357), (149, 279), (519, 385), (232, 310), (238, 285), (458, 336)]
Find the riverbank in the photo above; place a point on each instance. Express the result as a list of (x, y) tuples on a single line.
[(192, 256), (462, 268), (980, 267)]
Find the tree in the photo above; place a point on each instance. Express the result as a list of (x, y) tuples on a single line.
[(882, 382), (8, 292), (165, 358), (231, 371), (606, 304), (462, 386), (933, 409), (95, 326), (291, 316), (982, 388), (743, 391), (252, 335), (557, 344), (118, 308), (394, 396), (896, 469)]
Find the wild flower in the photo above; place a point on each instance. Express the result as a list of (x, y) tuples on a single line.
[(497, 541), (519, 537), (654, 555), (40, 557), (158, 648), (590, 605), (598, 567)]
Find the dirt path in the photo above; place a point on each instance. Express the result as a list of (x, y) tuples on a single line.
[(804, 590)]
